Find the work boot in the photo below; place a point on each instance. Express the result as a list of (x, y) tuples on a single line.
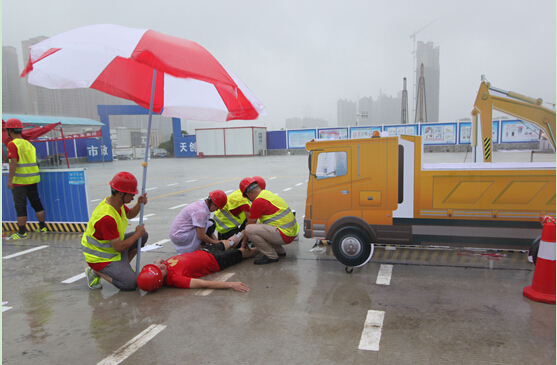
[(18, 236), (264, 260), (93, 281), (42, 230)]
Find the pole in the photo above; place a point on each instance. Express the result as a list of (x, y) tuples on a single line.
[(64, 144), (144, 164)]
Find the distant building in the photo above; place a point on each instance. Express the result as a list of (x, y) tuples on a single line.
[(365, 106), (12, 101), (384, 110), (298, 123), (427, 54), (346, 113)]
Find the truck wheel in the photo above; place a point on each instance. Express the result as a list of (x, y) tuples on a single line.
[(352, 246)]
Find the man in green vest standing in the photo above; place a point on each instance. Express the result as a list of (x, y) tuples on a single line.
[(278, 224), (23, 178), (108, 249)]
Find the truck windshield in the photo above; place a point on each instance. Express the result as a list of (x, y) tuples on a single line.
[(331, 164)]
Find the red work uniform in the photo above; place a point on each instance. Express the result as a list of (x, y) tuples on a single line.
[(189, 265)]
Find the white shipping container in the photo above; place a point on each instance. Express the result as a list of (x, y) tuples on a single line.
[(139, 153), (237, 141)]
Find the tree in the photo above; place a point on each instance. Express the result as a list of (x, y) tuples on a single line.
[(169, 145)]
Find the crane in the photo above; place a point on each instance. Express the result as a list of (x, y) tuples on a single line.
[(413, 36)]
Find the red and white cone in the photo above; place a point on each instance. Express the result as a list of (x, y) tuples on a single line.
[(543, 283)]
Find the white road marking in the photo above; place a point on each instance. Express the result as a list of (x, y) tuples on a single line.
[(151, 188), (178, 206), (74, 278), (144, 217), (229, 191), (6, 308), (384, 275), (172, 184), (273, 178), (191, 180), (133, 345), (299, 184), (24, 252), (95, 200), (287, 189), (154, 246), (223, 277), (371, 335)]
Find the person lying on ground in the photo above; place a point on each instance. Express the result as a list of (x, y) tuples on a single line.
[(184, 271)]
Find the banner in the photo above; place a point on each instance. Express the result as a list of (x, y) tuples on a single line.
[(72, 136)]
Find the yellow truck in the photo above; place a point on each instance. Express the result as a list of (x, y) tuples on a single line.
[(376, 190)]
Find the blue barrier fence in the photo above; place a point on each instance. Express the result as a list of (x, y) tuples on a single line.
[(454, 133), (64, 195)]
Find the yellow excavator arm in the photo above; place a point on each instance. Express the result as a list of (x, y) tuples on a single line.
[(519, 106)]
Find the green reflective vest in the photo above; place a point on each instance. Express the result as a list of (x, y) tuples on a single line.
[(283, 219), (102, 251), (224, 219), (27, 171)]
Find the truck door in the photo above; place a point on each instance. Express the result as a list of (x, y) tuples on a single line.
[(331, 182)]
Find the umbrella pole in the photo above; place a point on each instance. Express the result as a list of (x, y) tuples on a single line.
[(144, 164)]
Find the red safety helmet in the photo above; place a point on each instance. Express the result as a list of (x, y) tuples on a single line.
[(260, 181), (13, 123), (246, 183), (219, 198), (150, 278), (124, 182)]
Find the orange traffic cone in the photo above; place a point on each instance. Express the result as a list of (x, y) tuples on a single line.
[(543, 283)]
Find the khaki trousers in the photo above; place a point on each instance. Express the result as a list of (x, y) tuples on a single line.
[(266, 238)]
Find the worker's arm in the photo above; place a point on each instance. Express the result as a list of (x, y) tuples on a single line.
[(121, 246), (13, 167), (204, 238), (201, 284), (133, 212), (245, 240)]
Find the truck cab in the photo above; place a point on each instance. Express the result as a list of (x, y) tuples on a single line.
[(352, 182)]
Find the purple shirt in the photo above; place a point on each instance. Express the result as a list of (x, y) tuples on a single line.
[(183, 230)]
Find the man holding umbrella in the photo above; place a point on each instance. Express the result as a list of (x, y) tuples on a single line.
[(108, 249)]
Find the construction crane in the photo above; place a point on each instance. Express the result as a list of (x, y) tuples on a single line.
[(414, 73)]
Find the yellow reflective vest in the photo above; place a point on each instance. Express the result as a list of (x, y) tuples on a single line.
[(283, 219), (27, 171), (224, 219), (102, 251)]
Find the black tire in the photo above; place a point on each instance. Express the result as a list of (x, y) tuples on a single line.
[(534, 248), (352, 246)]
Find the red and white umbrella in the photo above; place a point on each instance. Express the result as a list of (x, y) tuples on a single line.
[(168, 75), (119, 61)]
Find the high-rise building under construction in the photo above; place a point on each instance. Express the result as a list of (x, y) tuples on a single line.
[(428, 55)]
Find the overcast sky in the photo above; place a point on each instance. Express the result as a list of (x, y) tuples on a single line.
[(300, 57)]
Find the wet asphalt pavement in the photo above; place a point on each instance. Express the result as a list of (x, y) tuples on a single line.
[(440, 306)]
